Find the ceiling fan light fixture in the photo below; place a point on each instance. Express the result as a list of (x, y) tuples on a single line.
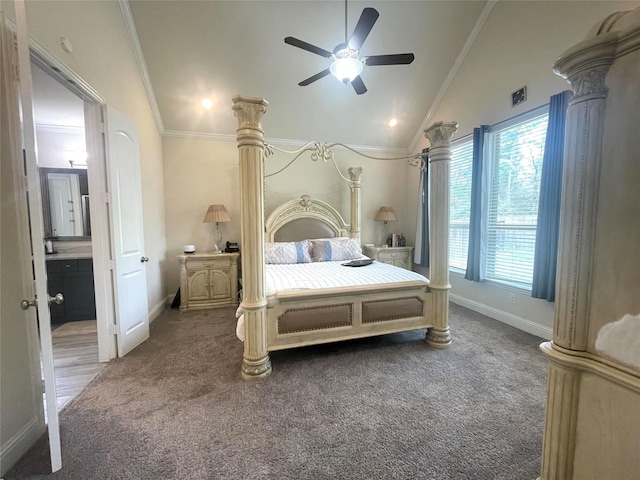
[(346, 69)]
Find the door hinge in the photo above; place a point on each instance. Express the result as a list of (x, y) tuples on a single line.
[(112, 329), (111, 264), (101, 127), (105, 197)]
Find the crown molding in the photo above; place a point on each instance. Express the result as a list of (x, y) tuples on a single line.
[(218, 137), (475, 31), (280, 142), (142, 65)]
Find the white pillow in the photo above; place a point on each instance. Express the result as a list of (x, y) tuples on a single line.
[(287, 252), (335, 249)]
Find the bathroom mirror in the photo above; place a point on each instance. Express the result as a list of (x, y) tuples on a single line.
[(65, 203)]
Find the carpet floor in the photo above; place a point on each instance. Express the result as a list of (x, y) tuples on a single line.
[(387, 407)]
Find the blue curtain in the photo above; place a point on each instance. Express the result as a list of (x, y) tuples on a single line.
[(422, 236), (546, 253), (474, 257)]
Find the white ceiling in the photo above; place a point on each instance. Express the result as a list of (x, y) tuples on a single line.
[(218, 49)]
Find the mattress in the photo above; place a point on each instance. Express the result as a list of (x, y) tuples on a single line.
[(320, 275)]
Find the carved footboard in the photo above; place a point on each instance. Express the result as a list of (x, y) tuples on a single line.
[(329, 315)]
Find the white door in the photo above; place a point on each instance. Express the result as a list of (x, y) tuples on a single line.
[(123, 171), (37, 238)]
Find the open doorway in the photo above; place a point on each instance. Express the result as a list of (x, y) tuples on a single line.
[(66, 195), (115, 208)]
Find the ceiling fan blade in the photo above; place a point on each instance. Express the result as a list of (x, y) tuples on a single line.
[(363, 27), (315, 77), (307, 46), (395, 59), (358, 85)]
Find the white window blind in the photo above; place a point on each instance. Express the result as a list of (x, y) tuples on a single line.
[(460, 203), (515, 165)]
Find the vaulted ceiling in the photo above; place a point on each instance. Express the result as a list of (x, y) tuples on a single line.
[(193, 50), (218, 49)]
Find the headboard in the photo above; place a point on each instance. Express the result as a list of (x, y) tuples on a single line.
[(304, 218)]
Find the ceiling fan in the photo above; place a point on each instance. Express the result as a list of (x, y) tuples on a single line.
[(347, 64)]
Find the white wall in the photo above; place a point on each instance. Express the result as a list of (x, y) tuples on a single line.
[(57, 145), (102, 55), (516, 47)]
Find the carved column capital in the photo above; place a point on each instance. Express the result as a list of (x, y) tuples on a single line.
[(249, 111), (589, 82), (585, 66), (440, 133)]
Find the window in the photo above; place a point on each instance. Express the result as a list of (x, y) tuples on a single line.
[(513, 167), (460, 203)]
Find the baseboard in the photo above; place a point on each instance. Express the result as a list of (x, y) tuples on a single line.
[(18, 445), (504, 317), (160, 307)]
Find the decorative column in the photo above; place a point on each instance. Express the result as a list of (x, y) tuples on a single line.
[(439, 135), (355, 173), (585, 67), (249, 111)]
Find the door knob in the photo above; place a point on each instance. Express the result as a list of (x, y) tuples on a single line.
[(144, 259), (25, 304), (58, 299)]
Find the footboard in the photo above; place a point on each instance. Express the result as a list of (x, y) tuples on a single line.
[(328, 315)]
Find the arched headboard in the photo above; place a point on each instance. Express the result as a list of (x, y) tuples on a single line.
[(304, 218)]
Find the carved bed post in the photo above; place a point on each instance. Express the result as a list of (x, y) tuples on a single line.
[(249, 111), (355, 173), (585, 67), (439, 135)]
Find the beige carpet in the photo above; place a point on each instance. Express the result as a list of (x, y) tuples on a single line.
[(384, 408)]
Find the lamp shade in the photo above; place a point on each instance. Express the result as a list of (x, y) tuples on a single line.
[(215, 214), (386, 214)]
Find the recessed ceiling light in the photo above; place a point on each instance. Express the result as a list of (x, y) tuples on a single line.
[(206, 103), (393, 122)]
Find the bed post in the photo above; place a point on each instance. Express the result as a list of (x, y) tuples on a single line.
[(249, 111), (439, 135), (355, 173)]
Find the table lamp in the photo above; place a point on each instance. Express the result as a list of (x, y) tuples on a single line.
[(216, 214)]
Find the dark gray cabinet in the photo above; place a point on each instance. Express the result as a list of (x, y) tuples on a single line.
[(74, 279)]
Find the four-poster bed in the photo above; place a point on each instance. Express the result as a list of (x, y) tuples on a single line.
[(297, 316)]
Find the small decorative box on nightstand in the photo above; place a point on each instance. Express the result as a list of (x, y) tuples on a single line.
[(398, 256), (208, 280)]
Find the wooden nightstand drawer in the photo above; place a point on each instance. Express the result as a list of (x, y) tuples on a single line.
[(398, 256), (209, 264)]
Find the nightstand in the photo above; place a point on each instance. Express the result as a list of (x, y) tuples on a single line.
[(208, 280), (398, 256)]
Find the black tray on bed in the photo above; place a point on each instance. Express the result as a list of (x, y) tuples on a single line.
[(358, 263)]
